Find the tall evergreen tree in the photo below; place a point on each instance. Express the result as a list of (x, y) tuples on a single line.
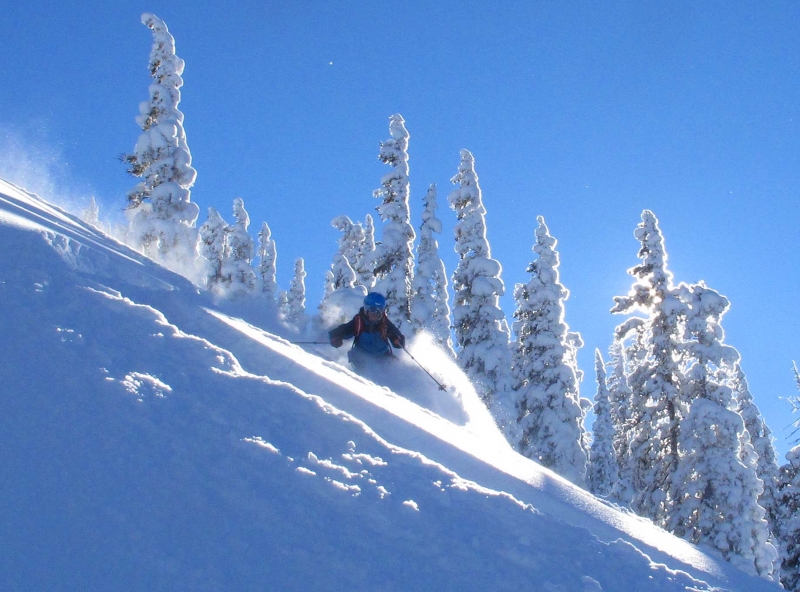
[(545, 372), (329, 287), (761, 439), (655, 373), (620, 399), (162, 216), (787, 503), (342, 274), (237, 270), (352, 250), (603, 469), (268, 256), (481, 330), (393, 260), (213, 247), (429, 308), (715, 488), (295, 308), (283, 304), (788, 520), (366, 271)]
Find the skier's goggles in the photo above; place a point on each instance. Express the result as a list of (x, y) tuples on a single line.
[(375, 309)]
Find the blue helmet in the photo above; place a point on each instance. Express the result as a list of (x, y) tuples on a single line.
[(375, 300)]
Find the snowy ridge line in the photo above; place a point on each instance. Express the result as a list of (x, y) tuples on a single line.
[(531, 479), (32, 217)]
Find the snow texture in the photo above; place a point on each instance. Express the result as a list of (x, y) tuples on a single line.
[(152, 442)]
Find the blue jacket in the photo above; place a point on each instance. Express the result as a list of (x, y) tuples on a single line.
[(371, 338)]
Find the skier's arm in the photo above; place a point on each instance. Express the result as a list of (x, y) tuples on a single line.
[(396, 338), (342, 332)]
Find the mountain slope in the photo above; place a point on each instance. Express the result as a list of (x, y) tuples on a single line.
[(153, 441)]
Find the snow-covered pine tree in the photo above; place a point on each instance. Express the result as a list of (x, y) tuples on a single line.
[(342, 294), (603, 470), (268, 257), (283, 305), (481, 331), (795, 401), (328, 288), (788, 520), (544, 369), (350, 269), (393, 260), (295, 310), (787, 503), (213, 247), (162, 216), (429, 308), (237, 270), (343, 274), (761, 439), (715, 488), (654, 373), (620, 398), (365, 272)]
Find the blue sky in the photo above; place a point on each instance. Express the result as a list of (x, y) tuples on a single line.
[(585, 114)]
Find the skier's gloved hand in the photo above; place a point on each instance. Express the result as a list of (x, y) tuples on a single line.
[(399, 341), (336, 341)]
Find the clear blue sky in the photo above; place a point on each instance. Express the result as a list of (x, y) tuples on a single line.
[(585, 114)]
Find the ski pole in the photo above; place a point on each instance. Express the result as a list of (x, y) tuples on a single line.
[(441, 386), (309, 342)]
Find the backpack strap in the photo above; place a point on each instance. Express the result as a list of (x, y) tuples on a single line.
[(358, 329), (384, 327)]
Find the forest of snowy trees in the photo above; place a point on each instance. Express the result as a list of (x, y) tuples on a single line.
[(677, 437)]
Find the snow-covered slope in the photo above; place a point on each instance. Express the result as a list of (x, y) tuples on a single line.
[(152, 441)]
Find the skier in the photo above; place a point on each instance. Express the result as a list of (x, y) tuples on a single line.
[(372, 332)]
